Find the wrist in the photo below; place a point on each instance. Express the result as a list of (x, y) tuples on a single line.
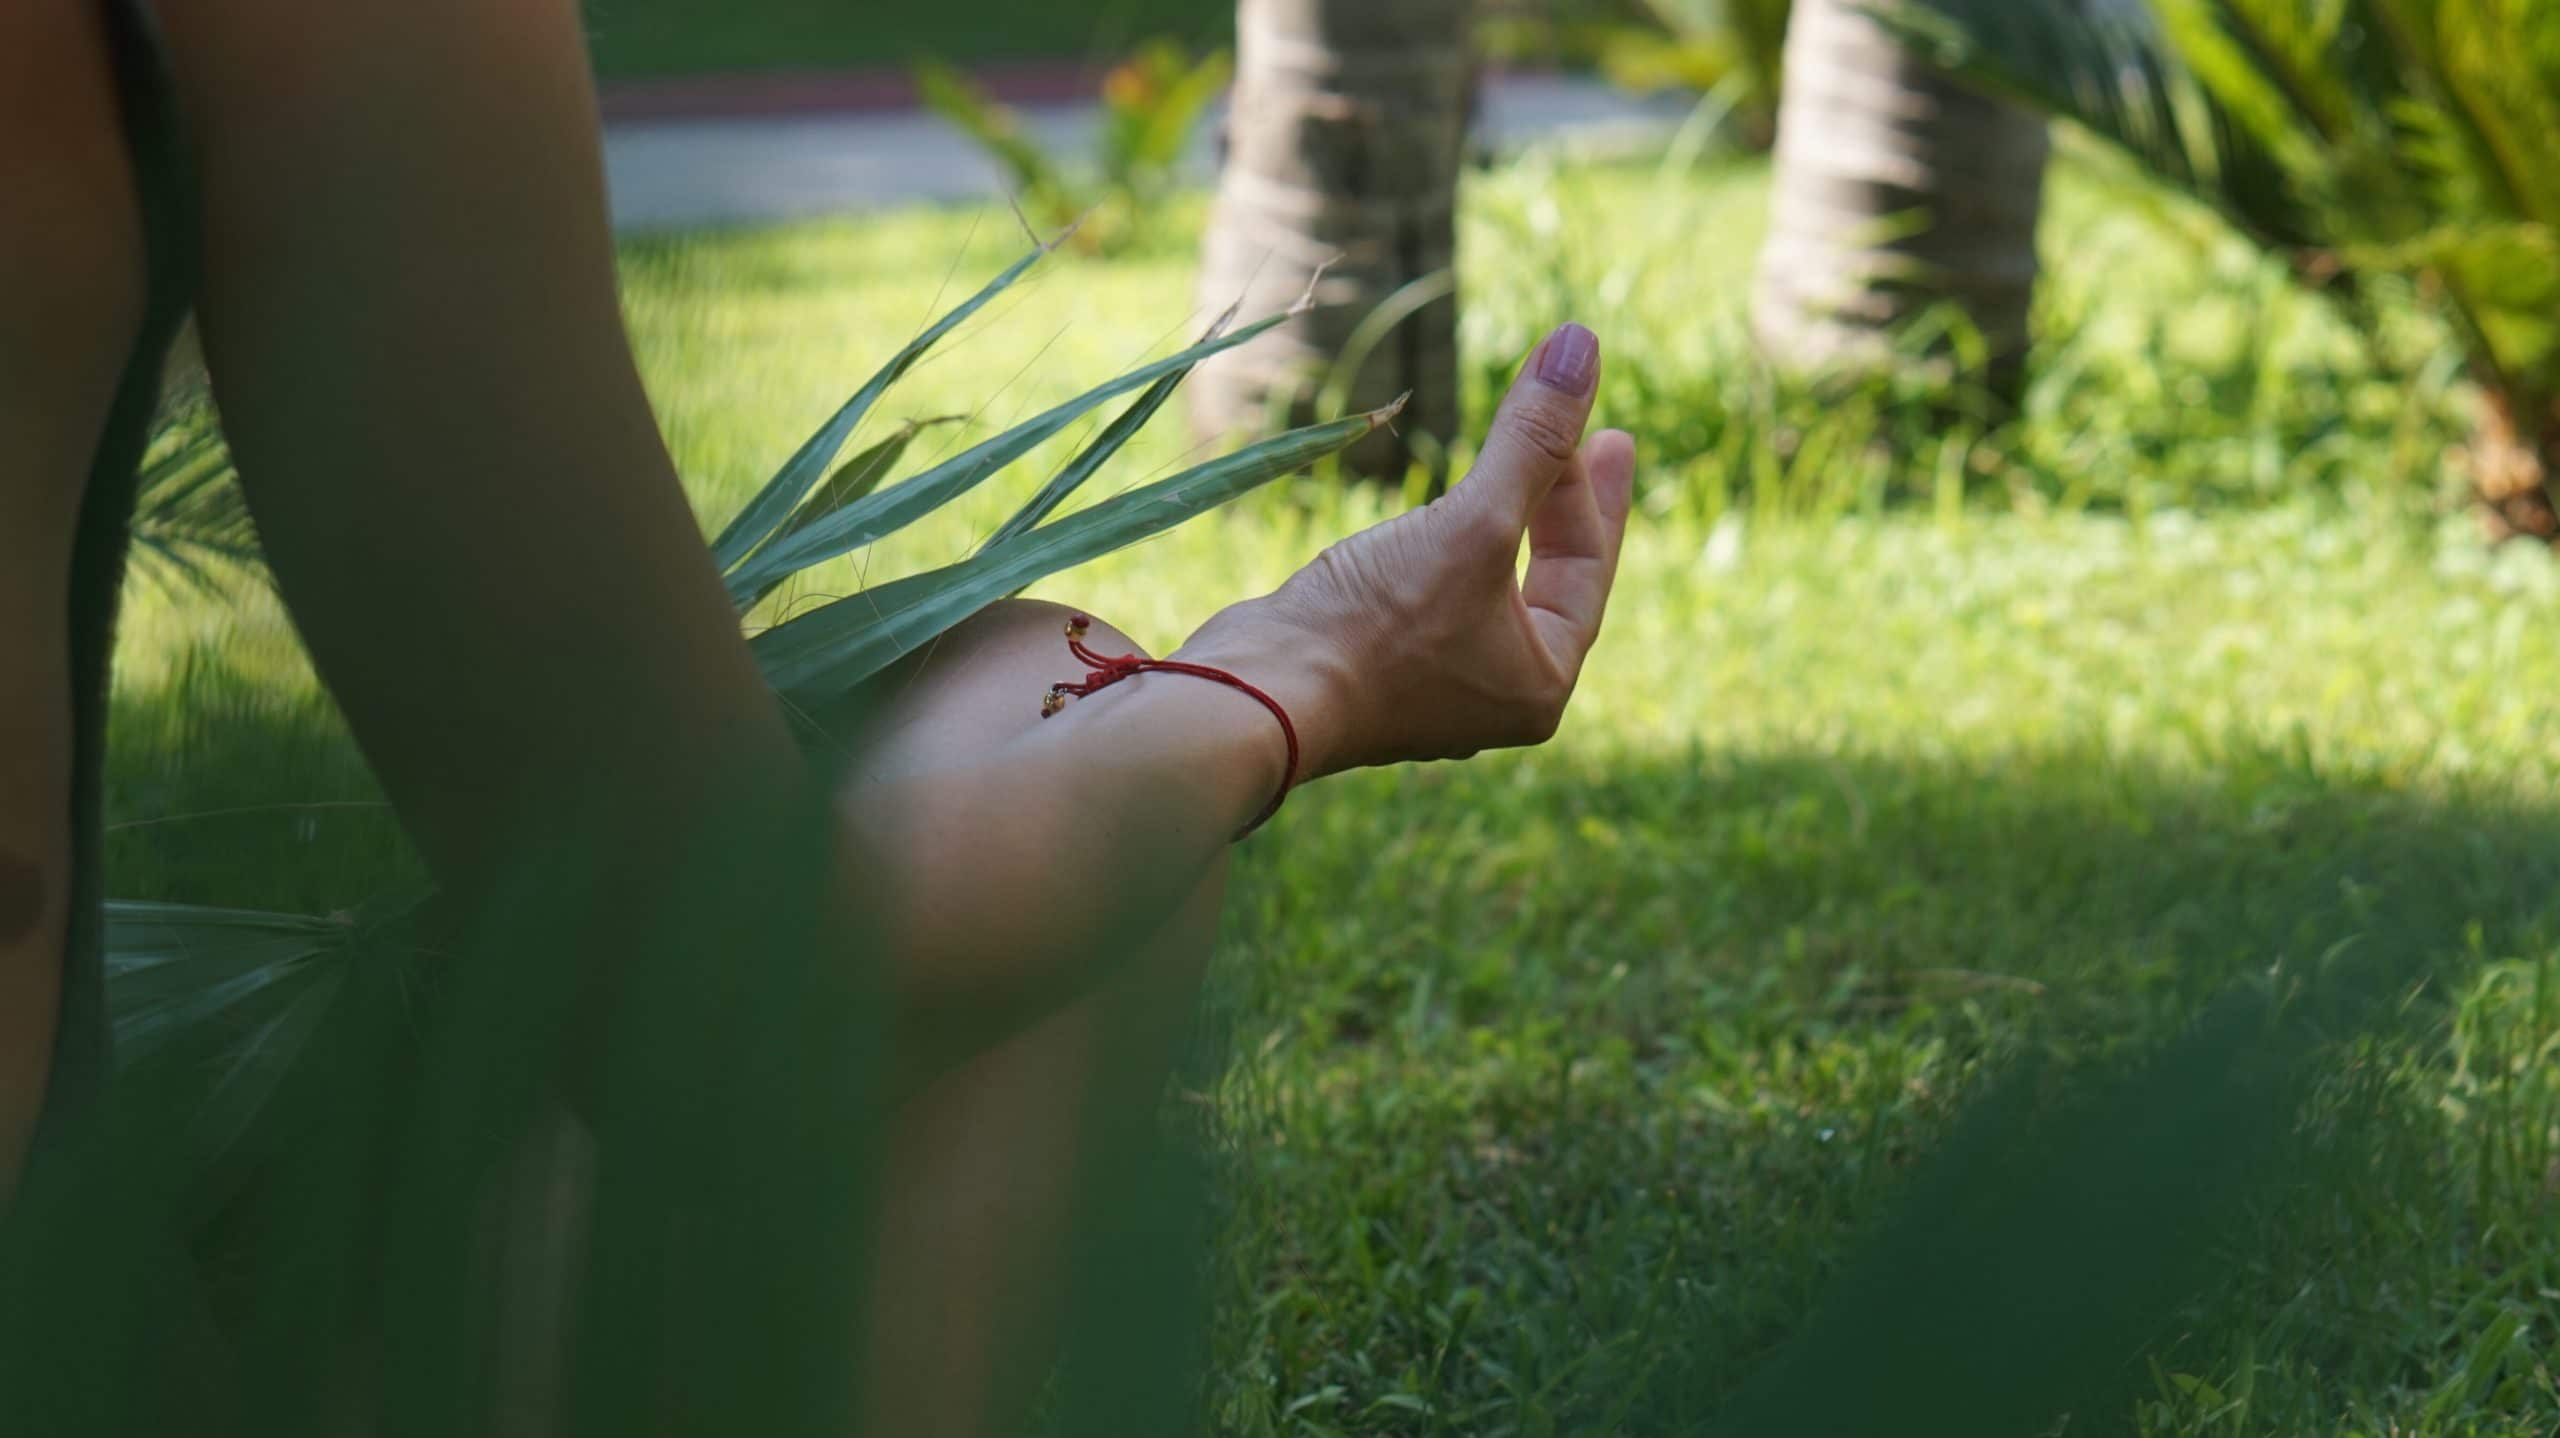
[(1306, 675)]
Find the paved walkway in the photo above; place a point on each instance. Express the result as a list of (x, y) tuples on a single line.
[(672, 172)]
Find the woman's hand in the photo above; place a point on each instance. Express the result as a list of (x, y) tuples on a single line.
[(1417, 639)]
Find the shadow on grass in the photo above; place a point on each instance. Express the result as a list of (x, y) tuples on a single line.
[(2101, 897), (2134, 1061), (1878, 1095), (223, 789)]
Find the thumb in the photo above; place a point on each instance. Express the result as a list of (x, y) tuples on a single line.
[(1539, 427)]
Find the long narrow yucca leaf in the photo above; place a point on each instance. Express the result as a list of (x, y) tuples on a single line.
[(1068, 480), (1091, 458), (780, 496), (901, 504), (862, 474), (822, 655)]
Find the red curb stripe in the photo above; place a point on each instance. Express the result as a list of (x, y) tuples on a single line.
[(747, 94), (750, 94)]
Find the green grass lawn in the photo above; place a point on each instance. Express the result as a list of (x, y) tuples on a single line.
[(1552, 1090), (632, 38)]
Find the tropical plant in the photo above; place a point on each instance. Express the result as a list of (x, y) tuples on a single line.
[(1901, 191), (2364, 141), (1344, 145), (1151, 104)]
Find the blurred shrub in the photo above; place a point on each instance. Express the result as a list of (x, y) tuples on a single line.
[(1732, 50), (1151, 103), (2175, 365), (2368, 143), (1727, 52)]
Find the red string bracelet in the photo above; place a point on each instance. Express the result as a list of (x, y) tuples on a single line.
[(1108, 670)]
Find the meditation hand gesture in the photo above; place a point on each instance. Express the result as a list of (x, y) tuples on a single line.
[(1417, 639)]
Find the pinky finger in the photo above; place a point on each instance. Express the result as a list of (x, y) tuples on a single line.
[(1568, 583)]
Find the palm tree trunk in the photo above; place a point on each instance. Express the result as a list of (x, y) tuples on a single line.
[(1343, 145), (2512, 464), (1898, 188)]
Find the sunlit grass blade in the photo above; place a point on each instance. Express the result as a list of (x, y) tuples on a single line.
[(901, 504), (863, 473), (1106, 444), (774, 503), (822, 655)]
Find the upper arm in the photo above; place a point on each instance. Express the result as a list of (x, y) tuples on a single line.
[(410, 316)]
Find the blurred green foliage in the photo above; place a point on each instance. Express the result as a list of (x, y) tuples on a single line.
[(1729, 53), (1152, 103), (2174, 364), (2362, 141), (635, 38)]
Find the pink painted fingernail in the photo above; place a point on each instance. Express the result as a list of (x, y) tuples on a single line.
[(1569, 360)]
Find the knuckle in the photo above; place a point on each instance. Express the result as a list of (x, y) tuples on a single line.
[(1548, 715), (1484, 527), (1546, 430), (1343, 576)]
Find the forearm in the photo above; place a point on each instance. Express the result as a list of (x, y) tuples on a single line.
[(1019, 875)]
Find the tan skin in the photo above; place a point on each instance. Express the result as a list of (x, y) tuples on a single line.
[(68, 216), (408, 262)]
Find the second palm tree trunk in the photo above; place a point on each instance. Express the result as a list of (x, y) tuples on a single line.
[(1898, 188), (1344, 146)]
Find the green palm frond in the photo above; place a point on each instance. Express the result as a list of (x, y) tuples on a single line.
[(2406, 138), (163, 959), (218, 1004), (2473, 66), (2117, 77), (2313, 124), (189, 521), (2275, 65)]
